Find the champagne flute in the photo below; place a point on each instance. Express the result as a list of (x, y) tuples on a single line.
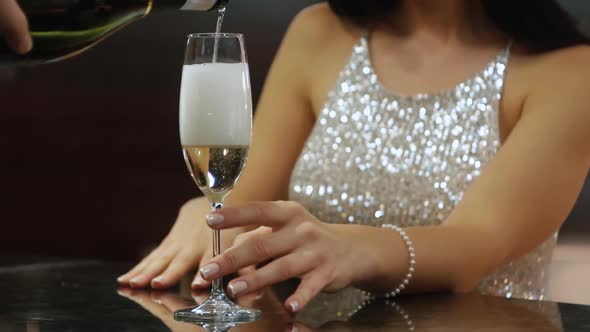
[(215, 132)]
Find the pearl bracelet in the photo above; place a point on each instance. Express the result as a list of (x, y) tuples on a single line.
[(412, 256)]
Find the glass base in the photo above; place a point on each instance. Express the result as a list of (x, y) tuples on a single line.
[(217, 310)]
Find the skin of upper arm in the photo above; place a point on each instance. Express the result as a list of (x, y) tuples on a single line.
[(526, 192), (284, 116)]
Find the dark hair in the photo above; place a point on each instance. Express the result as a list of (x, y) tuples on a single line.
[(538, 25)]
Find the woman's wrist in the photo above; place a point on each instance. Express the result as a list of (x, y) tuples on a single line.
[(411, 259), (383, 261)]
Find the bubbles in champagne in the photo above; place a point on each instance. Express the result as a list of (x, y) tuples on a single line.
[(215, 169)]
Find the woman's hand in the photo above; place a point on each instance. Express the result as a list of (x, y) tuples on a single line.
[(324, 256), (14, 27), (186, 246)]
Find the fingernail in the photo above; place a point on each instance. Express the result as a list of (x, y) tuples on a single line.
[(237, 287), (294, 306), (135, 281), (198, 282), (209, 270), (214, 219), (121, 278), (158, 281), (156, 298)]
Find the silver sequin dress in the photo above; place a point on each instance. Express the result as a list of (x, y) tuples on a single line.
[(375, 157)]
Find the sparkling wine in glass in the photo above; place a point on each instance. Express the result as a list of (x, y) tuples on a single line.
[(215, 132)]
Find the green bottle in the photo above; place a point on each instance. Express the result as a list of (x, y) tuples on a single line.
[(64, 28)]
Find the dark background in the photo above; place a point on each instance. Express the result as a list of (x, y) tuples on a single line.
[(91, 163)]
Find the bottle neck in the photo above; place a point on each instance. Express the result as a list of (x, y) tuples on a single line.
[(196, 5)]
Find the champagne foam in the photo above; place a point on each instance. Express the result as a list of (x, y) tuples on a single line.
[(215, 105)]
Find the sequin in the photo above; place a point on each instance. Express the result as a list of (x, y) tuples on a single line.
[(407, 160)]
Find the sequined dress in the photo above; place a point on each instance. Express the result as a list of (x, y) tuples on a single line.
[(375, 157)]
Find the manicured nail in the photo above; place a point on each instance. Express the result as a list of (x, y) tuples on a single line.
[(237, 287), (121, 278), (156, 300), (209, 270), (158, 281), (291, 328), (198, 282), (214, 219), (135, 281), (294, 306)]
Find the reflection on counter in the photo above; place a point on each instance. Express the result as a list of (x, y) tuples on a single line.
[(56, 296), (337, 312)]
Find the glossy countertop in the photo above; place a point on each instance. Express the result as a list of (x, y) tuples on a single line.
[(56, 295)]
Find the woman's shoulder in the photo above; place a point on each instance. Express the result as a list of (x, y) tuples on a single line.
[(317, 25), (563, 66), (557, 74), (319, 43)]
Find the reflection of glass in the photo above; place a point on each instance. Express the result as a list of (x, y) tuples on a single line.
[(215, 131), (163, 304), (470, 312)]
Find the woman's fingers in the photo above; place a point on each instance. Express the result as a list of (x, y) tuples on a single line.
[(198, 281), (228, 239), (240, 239), (157, 254), (186, 259), (255, 250), (14, 27), (271, 214), (311, 284), (200, 295), (243, 237), (282, 269), (247, 270), (124, 279), (153, 267)]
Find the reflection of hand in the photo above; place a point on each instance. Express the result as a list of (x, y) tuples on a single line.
[(325, 257), (33, 326), (161, 305), (187, 244), (329, 327), (14, 26), (164, 304)]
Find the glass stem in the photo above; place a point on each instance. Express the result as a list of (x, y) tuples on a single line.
[(217, 284)]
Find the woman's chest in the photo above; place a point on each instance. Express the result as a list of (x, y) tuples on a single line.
[(373, 158)]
